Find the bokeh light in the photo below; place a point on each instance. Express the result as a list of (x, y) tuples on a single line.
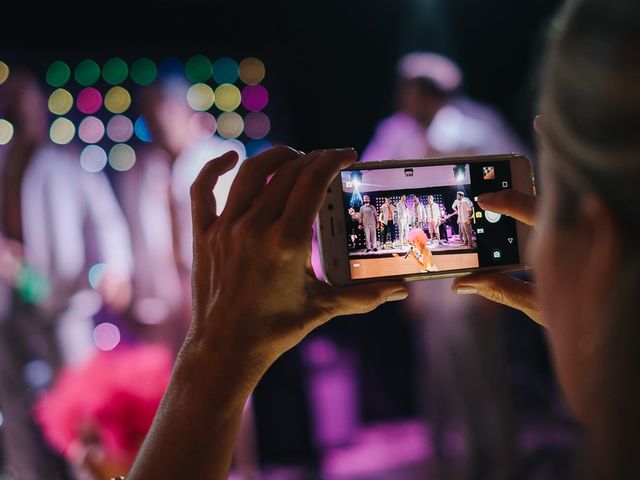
[(255, 147), (58, 74), (106, 336), (93, 158), (198, 69), (4, 72), (251, 70), (6, 131), (122, 157), (119, 129), (91, 130), (200, 97), (144, 71), (256, 125), (60, 101), (117, 100), (142, 130), (87, 72), (254, 97), (227, 97), (94, 276), (230, 125), (202, 125), (62, 131), (225, 70), (115, 71), (89, 100), (37, 374), (171, 69)]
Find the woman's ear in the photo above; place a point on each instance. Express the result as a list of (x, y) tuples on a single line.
[(603, 252)]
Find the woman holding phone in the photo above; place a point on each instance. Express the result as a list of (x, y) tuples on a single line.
[(248, 310)]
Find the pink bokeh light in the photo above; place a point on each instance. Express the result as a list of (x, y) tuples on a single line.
[(89, 100), (255, 97)]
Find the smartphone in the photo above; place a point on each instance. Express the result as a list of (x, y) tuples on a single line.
[(420, 219)]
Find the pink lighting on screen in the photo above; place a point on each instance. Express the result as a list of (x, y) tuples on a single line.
[(255, 97), (89, 100)]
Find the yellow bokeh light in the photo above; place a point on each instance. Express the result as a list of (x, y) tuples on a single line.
[(227, 97), (62, 131), (230, 125), (251, 70), (200, 97), (122, 157), (117, 100), (6, 132), (4, 72), (60, 102)]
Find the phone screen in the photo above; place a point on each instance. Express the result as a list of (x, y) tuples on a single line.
[(404, 221)]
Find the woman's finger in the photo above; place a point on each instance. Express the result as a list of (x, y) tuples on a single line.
[(273, 197), (515, 204), (252, 177), (503, 289), (203, 202), (310, 190), (356, 299)]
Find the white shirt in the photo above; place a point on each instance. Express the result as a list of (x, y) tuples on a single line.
[(464, 208), (386, 212), (433, 212), (70, 221), (419, 212), (144, 193)]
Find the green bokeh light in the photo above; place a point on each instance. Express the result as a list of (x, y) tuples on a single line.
[(58, 74), (87, 72), (198, 69), (115, 71), (144, 71)]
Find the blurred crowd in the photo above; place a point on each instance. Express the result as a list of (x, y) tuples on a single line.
[(95, 301)]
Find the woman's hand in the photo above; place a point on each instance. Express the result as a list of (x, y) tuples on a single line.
[(254, 297), (503, 288), (254, 292)]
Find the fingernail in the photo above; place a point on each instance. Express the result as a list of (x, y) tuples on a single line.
[(399, 295), (466, 290)]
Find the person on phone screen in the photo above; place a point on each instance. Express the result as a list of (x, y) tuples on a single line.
[(419, 213), (404, 219), (433, 218), (388, 227), (368, 217), (420, 252), (464, 208)]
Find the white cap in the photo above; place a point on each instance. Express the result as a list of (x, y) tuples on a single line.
[(440, 70)]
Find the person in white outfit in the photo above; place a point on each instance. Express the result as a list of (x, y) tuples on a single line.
[(155, 199), (464, 208), (419, 213), (433, 218), (367, 215), (404, 219), (56, 221)]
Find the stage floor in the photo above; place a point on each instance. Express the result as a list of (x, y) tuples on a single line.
[(393, 261)]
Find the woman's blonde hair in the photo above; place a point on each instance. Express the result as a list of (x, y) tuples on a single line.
[(590, 104)]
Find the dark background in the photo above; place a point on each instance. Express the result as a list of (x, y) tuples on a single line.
[(330, 64)]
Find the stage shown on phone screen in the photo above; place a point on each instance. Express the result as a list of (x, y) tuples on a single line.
[(404, 221)]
